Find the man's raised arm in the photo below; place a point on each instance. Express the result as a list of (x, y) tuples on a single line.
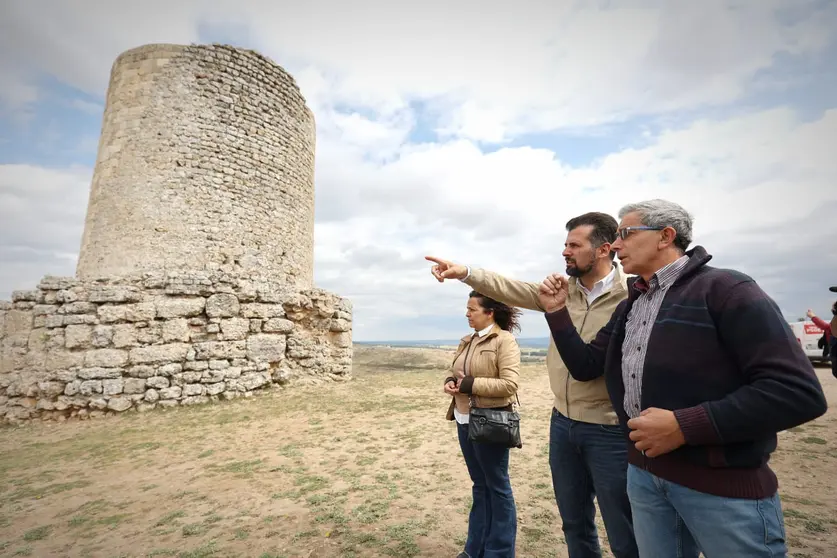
[(508, 291)]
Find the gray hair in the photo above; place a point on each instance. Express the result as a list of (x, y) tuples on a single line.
[(663, 213)]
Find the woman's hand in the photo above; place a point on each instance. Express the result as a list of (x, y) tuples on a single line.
[(451, 389)]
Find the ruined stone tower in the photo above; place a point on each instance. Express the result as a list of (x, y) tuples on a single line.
[(206, 162), (194, 278)]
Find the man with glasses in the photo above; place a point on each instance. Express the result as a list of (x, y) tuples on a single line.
[(703, 372)]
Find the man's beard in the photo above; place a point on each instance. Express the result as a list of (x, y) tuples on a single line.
[(576, 271)]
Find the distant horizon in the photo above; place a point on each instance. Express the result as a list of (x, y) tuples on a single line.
[(527, 342)]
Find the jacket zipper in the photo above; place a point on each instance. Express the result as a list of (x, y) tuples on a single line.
[(583, 322), (465, 368)]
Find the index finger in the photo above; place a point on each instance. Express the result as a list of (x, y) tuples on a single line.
[(435, 260)]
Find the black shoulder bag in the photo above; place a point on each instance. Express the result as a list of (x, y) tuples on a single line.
[(494, 426)]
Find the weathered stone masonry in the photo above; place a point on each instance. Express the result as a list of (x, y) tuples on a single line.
[(194, 280), (84, 349)]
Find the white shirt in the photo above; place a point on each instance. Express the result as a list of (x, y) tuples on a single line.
[(460, 418), (599, 287)]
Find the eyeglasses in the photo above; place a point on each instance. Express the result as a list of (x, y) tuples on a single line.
[(623, 233)]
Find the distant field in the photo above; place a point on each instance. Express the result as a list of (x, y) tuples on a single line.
[(367, 468)]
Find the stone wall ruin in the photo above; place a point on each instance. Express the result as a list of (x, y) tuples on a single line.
[(194, 280)]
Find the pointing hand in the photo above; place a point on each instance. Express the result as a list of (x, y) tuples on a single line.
[(446, 270)]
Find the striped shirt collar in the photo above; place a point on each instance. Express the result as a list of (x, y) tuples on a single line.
[(664, 277)]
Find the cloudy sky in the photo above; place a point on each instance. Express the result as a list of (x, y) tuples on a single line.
[(469, 130)]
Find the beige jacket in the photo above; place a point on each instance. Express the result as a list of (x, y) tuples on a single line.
[(493, 361), (581, 401)]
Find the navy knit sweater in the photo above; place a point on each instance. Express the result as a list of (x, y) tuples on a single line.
[(722, 357)]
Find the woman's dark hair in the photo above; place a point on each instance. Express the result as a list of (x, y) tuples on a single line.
[(507, 317)]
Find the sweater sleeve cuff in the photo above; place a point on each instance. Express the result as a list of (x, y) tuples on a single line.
[(559, 321), (697, 427), (467, 384)]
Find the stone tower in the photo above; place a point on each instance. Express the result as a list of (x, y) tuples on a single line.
[(194, 280), (205, 162)]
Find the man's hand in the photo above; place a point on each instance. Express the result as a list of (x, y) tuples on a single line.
[(811, 313), (446, 270), (451, 389), (655, 432), (553, 292)]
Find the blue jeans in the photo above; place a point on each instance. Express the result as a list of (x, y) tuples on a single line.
[(492, 523), (586, 460), (673, 521)]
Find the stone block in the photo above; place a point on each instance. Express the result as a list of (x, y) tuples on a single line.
[(220, 350), (278, 325), (124, 336), (78, 336), (114, 293), (18, 322), (262, 310), (176, 330), (222, 305), (119, 404), (190, 390), (63, 360), (90, 387), (102, 336), (234, 329), (180, 307), (339, 325), (50, 389), (157, 382), (159, 354), (173, 392), (112, 387), (109, 314), (133, 385), (268, 347), (140, 312), (215, 389), (99, 373), (106, 358)]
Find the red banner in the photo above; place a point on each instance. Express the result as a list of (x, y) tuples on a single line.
[(812, 329)]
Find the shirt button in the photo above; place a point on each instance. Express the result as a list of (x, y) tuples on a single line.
[(644, 323), (636, 406), (639, 348), (633, 375)]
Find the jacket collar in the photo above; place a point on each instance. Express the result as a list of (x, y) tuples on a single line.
[(698, 258), (495, 329)]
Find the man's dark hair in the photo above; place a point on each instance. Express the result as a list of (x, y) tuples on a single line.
[(604, 228)]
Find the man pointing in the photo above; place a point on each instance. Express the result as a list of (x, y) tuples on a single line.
[(587, 454)]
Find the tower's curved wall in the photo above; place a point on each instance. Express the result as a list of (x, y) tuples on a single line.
[(205, 162)]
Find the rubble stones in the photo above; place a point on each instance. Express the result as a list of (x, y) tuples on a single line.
[(131, 347), (202, 289)]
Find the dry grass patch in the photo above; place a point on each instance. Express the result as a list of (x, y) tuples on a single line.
[(368, 468)]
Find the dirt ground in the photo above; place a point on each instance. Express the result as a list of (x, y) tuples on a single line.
[(364, 468)]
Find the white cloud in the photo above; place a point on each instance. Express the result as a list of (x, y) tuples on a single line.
[(754, 180), (489, 71), (506, 210), (752, 183)]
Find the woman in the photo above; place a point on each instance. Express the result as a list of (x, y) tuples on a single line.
[(485, 372)]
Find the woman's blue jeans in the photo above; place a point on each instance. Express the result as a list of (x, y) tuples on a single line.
[(492, 523)]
